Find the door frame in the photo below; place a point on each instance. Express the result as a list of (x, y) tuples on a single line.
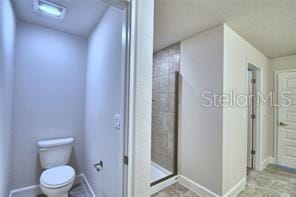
[(259, 113), (136, 59), (275, 116), (126, 110), (252, 122), (128, 98)]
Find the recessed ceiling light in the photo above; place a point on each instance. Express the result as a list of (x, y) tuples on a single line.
[(49, 9)]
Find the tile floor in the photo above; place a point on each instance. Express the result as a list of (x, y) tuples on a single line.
[(273, 181), (78, 190), (175, 190)]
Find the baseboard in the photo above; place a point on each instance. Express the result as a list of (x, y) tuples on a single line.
[(88, 186), (235, 190), (266, 162), (195, 187), (160, 186), (35, 190), (271, 160), (202, 191)]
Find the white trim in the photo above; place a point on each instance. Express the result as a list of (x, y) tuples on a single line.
[(285, 70), (266, 162), (260, 114), (272, 160), (35, 190), (90, 190), (125, 94), (139, 150), (235, 190), (160, 168), (130, 143), (195, 187), (160, 186), (275, 138), (202, 191)]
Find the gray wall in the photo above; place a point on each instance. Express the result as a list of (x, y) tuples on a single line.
[(7, 40), (236, 56), (165, 63), (200, 128), (103, 100), (49, 89)]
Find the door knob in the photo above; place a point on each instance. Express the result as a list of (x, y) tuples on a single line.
[(283, 124)]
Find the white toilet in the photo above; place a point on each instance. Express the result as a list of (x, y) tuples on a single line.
[(58, 177)]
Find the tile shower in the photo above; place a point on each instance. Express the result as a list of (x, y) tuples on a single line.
[(166, 66)]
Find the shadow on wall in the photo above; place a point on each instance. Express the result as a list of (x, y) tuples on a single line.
[(75, 162), (7, 42)]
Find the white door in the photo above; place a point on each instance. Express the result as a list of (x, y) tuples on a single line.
[(287, 119)]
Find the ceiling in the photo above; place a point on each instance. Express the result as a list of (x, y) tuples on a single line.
[(269, 25), (81, 18)]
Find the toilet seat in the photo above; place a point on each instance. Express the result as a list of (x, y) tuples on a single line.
[(57, 177)]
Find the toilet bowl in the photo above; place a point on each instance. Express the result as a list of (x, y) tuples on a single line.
[(57, 181)]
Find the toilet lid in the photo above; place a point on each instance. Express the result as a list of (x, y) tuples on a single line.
[(57, 176)]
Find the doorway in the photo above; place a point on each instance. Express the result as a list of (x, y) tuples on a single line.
[(253, 117), (286, 119), (77, 85)]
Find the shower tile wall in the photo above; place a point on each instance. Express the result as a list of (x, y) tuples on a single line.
[(165, 63)]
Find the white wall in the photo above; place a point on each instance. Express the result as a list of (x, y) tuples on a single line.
[(213, 141), (287, 62), (237, 52), (7, 42), (200, 130), (103, 101), (49, 89)]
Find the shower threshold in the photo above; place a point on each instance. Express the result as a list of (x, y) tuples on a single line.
[(161, 178), (158, 172)]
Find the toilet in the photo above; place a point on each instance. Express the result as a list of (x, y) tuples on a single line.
[(57, 178)]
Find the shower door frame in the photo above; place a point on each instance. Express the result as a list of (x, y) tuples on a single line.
[(176, 125)]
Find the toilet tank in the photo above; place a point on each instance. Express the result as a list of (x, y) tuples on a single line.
[(53, 153)]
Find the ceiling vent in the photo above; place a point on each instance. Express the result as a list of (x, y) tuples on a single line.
[(49, 9)]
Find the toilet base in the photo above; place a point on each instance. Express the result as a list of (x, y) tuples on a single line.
[(60, 195), (59, 192)]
